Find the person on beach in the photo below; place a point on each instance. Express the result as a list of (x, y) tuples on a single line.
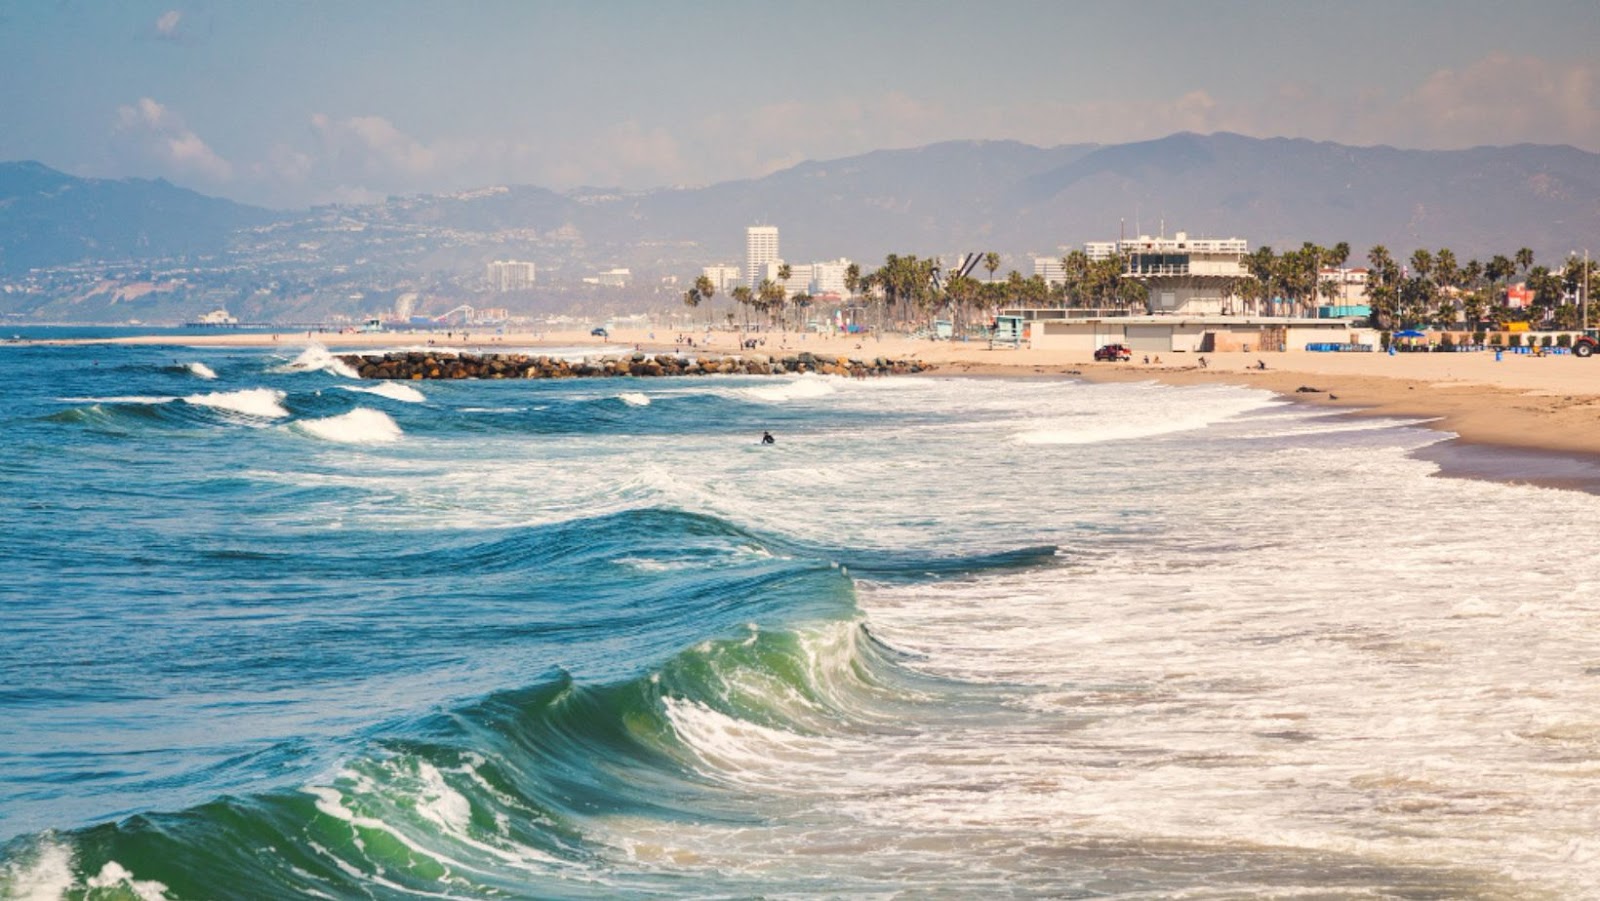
[(1202, 362), (766, 438)]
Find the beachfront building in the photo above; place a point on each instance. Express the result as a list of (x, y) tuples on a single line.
[(510, 275), (1156, 334), (1050, 269), (1344, 293), (724, 277), (1184, 275), (760, 248)]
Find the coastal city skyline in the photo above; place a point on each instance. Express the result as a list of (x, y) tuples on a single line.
[(293, 105)]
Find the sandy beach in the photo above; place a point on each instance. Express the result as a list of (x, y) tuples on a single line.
[(1523, 401)]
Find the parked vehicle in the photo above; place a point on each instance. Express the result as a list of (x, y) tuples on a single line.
[(1587, 343), (1114, 352), (599, 332)]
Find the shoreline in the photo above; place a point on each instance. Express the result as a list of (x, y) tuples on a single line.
[(1544, 405)]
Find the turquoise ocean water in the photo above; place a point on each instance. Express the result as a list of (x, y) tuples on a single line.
[(269, 631)]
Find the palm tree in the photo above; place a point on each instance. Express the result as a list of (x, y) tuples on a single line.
[(769, 298), (991, 262), (1383, 278), (742, 296), (783, 276), (1262, 264), (691, 298), (1524, 260), (706, 289), (802, 302)]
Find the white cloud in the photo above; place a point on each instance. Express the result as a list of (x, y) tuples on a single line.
[(1503, 99), (167, 23), (374, 147), (158, 133)]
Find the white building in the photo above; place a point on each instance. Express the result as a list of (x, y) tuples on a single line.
[(724, 278), (1050, 269), (1087, 330), (801, 276), (760, 248), (828, 277), (1191, 276), (1352, 285), (510, 275), (611, 278)]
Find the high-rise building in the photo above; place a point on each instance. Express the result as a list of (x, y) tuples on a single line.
[(760, 248), (510, 275)]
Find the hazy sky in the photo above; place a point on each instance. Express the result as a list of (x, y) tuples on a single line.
[(291, 103)]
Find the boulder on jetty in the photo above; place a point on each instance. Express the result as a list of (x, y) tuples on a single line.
[(429, 365)]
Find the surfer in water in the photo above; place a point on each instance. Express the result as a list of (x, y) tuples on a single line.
[(766, 438)]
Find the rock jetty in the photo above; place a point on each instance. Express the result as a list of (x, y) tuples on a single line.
[(429, 365)]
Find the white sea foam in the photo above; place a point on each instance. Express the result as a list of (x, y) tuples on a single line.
[(392, 390), (359, 426), (42, 873), (634, 399), (262, 403), (115, 876), (802, 387), (316, 358), (201, 370)]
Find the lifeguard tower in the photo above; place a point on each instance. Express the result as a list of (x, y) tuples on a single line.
[(1007, 332)]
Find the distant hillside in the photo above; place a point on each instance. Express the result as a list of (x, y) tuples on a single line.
[(49, 218), (942, 199), (1018, 199), (1283, 192)]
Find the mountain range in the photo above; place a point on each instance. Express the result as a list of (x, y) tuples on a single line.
[(941, 199)]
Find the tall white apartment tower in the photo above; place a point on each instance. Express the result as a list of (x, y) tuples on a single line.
[(760, 248)]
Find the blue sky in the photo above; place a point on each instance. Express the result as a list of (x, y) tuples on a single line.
[(289, 103)]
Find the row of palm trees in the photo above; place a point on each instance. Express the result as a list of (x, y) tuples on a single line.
[(1432, 289)]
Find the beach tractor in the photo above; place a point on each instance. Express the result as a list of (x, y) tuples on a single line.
[(1587, 343)]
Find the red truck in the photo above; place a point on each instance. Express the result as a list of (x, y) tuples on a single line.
[(1586, 343)]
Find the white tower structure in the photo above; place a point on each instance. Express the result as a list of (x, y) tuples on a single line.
[(760, 248)]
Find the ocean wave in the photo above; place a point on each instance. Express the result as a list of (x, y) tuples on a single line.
[(261, 403), (316, 358), (1161, 412), (521, 792), (391, 390), (201, 370), (634, 399), (802, 387), (359, 426)]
